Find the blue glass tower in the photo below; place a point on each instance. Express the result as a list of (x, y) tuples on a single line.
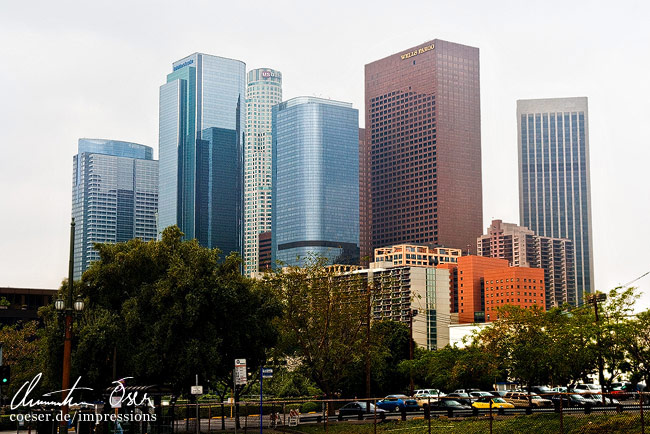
[(315, 181), (202, 117), (114, 196), (554, 181)]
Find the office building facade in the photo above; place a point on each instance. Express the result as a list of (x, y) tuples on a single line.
[(554, 180), (263, 91), (514, 286), (315, 181), (201, 135), (423, 129), (522, 248), (114, 196), (421, 256)]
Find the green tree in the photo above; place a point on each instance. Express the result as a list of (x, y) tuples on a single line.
[(323, 321), (22, 350), (639, 349), (164, 311)]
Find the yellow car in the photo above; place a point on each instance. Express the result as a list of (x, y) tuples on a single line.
[(484, 402)]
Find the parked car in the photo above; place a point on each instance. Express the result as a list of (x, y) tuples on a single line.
[(357, 408), (541, 390), (397, 403), (597, 398), (463, 398), (572, 400), (481, 394), (429, 392), (501, 393), (423, 399), (521, 399), (484, 402), (445, 404), (559, 389), (586, 388), (466, 390)]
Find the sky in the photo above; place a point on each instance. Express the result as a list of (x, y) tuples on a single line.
[(73, 69)]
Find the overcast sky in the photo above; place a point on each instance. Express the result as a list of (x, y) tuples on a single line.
[(71, 69)]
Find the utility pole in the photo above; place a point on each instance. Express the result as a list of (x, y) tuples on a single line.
[(595, 298), (368, 310), (412, 313)]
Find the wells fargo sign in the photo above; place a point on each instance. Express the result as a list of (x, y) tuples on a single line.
[(416, 52)]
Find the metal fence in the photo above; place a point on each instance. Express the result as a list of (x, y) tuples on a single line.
[(627, 414)]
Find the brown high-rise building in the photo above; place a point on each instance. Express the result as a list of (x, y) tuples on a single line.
[(423, 130)]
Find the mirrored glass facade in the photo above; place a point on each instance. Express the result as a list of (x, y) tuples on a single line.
[(114, 196), (315, 181), (554, 182), (202, 118)]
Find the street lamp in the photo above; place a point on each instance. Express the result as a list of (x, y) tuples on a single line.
[(66, 307)]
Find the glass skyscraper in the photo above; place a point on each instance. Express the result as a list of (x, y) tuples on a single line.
[(114, 196), (554, 182), (315, 181), (263, 91), (202, 119)]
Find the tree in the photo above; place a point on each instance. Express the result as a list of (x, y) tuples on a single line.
[(389, 345), (164, 311), (519, 340), (22, 351), (322, 325), (639, 349)]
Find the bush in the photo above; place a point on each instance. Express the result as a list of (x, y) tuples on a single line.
[(309, 407)]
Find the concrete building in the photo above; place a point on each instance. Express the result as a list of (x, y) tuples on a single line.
[(263, 91), (423, 133), (554, 177), (315, 181), (410, 254), (522, 248), (114, 196), (23, 303)]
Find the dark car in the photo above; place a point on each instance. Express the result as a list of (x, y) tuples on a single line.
[(357, 408), (463, 398), (572, 400), (445, 404), (398, 403)]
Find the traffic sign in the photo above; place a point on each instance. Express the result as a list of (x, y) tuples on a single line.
[(197, 390), (267, 372), (240, 372)]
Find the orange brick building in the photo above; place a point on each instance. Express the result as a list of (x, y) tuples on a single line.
[(517, 286), (470, 294)]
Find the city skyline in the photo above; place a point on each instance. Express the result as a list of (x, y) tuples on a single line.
[(95, 103)]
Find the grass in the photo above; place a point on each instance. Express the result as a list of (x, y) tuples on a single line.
[(629, 423)]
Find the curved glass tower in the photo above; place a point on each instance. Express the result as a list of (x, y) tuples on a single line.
[(114, 196), (315, 181), (263, 91)]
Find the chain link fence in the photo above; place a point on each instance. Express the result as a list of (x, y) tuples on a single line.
[(562, 413)]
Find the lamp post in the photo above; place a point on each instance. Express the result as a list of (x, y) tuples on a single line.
[(595, 299), (66, 307)]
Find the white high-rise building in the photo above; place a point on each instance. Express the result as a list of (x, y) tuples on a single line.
[(263, 91)]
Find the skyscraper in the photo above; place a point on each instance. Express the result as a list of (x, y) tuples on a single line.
[(263, 91), (554, 182), (202, 119), (114, 196), (315, 181), (423, 128)]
